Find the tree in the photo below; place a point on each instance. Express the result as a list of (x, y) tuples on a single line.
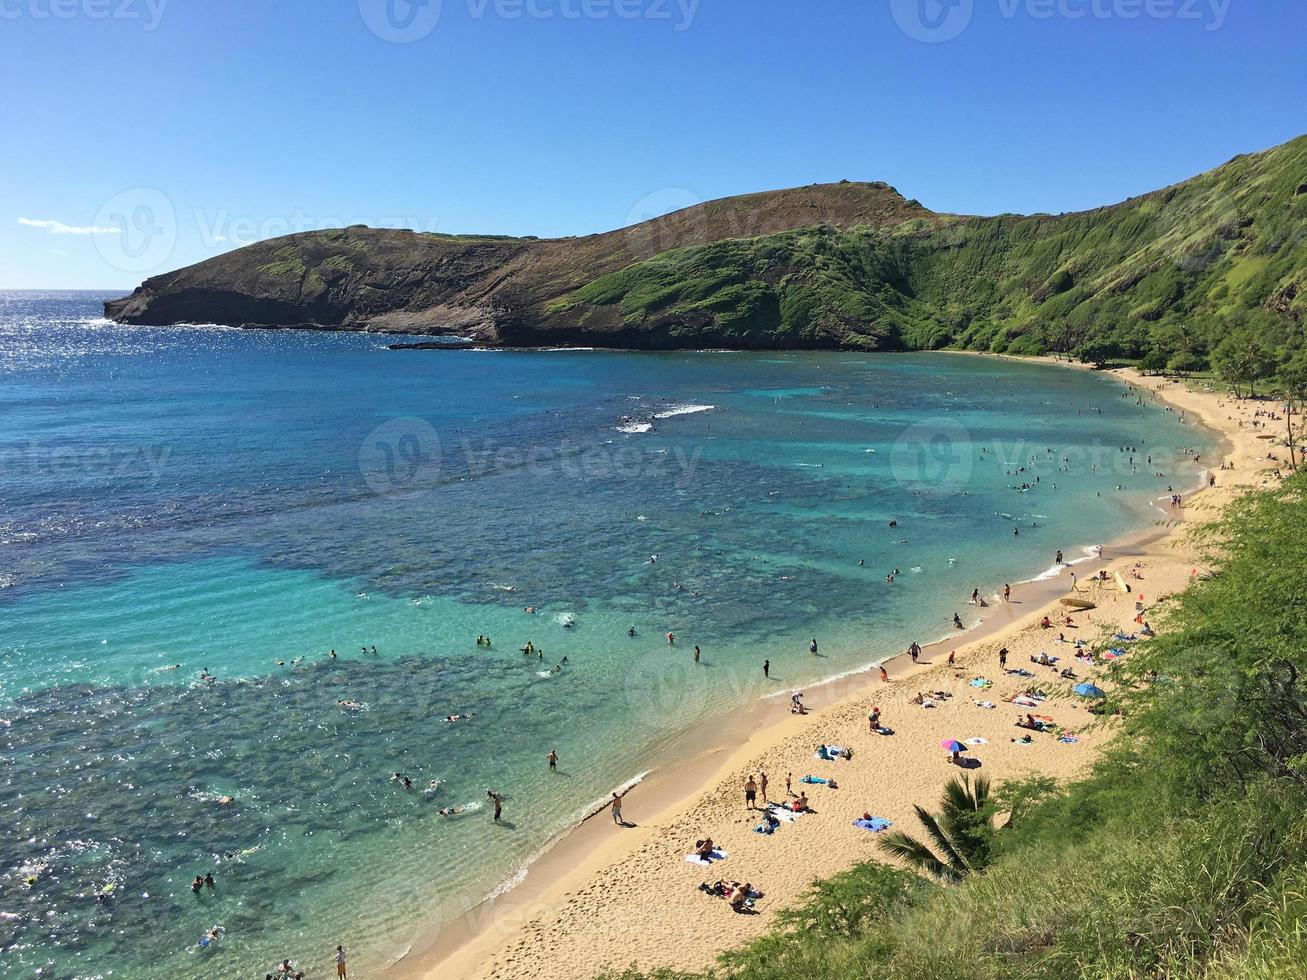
[(1239, 359), (1099, 352), (1154, 362), (1292, 378), (962, 832), (1184, 363)]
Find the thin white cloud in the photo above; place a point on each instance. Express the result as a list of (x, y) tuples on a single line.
[(59, 228)]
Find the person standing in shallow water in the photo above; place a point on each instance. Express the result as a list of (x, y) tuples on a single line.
[(499, 803), (553, 760), (340, 961), (766, 668), (696, 653)]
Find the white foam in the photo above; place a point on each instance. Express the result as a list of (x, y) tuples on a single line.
[(635, 427), (683, 410)]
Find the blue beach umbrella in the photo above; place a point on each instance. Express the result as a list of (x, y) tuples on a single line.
[(1088, 690)]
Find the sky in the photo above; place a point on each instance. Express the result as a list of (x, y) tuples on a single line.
[(140, 136)]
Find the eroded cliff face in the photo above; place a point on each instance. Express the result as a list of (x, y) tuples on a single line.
[(828, 266), (498, 290)]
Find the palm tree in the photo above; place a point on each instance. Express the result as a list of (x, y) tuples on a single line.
[(962, 832)]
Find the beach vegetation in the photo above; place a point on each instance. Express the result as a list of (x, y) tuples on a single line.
[(961, 834)]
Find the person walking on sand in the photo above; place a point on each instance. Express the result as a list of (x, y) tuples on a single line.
[(1002, 658), (914, 651), (1007, 593), (340, 962), (617, 808), (499, 803), (762, 785), (553, 760), (751, 793), (788, 790), (766, 669), (884, 674)]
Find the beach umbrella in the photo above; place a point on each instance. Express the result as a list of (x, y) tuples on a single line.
[(952, 745), (1088, 690)]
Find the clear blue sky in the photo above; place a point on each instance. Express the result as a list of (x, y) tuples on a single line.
[(201, 124)]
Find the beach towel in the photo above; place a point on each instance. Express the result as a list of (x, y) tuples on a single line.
[(766, 827), (1069, 739), (714, 856), (875, 824), (831, 754), (1025, 702), (981, 682), (977, 741), (983, 704), (1021, 672), (783, 813)]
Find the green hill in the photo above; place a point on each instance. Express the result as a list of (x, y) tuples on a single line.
[(1169, 272), (1164, 277)]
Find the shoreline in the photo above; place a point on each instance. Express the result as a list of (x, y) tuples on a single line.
[(678, 776)]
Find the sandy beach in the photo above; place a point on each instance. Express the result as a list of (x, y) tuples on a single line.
[(609, 896)]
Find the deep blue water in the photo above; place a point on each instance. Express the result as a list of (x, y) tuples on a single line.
[(234, 501)]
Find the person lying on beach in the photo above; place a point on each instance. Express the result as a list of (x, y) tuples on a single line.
[(1033, 723)]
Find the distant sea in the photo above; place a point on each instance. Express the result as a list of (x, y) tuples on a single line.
[(185, 500)]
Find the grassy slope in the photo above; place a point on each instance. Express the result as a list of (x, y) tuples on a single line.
[(1183, 855), (1170, 270)]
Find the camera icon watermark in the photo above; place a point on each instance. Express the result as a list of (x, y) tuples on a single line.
[(400, 21), (140, 226), (654, 224), (932, 21), (932, 457), (401, 457)]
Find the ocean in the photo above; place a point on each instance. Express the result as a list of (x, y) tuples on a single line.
[(186, 503)]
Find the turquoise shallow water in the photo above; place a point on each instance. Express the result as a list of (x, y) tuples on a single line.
[(236, 501)]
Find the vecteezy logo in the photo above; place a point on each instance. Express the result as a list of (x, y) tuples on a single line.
[(652, 225), (932, 21), (145, 229), (932, 457), (400, 21), (401, 456)]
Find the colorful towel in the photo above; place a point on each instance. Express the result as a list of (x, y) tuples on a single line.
[(875, 824), (977, 741)]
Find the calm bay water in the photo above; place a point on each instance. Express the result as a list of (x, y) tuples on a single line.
[(244, 503)]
